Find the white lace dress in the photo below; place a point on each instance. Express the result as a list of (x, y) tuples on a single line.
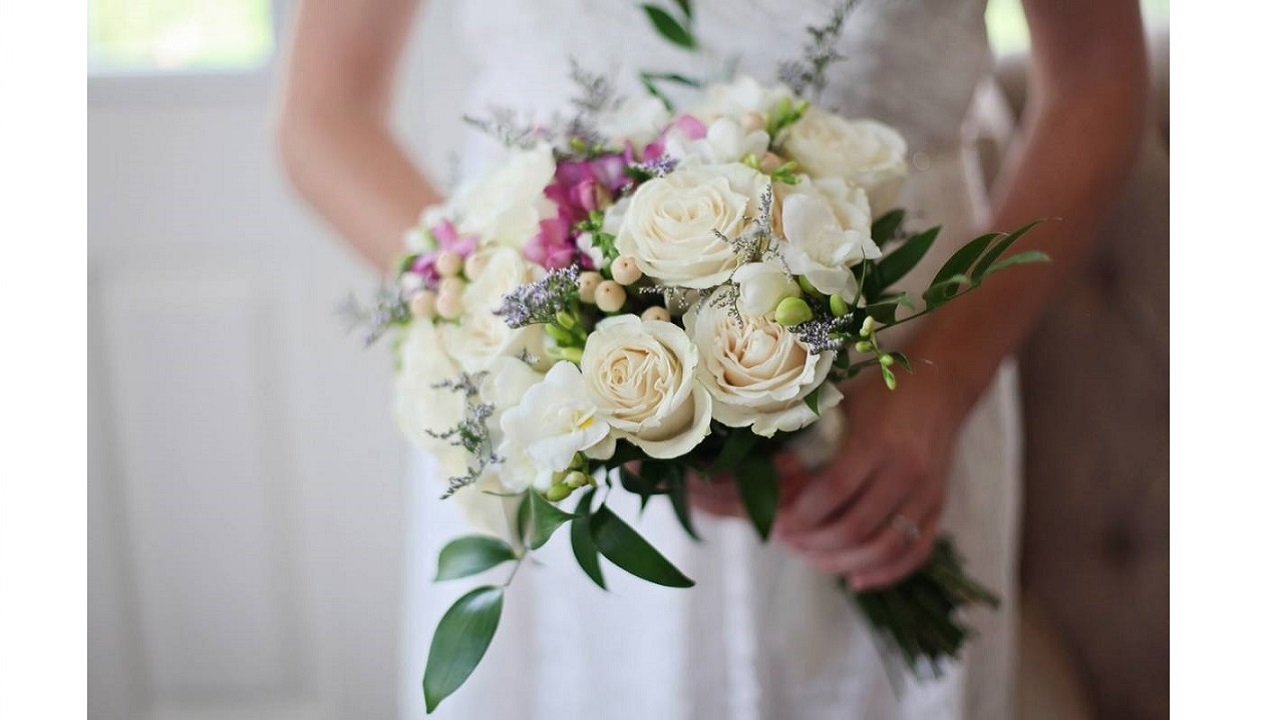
[(761, 635)]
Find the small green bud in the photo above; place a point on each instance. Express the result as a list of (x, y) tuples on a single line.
[(890, 381), (886, 360), (566, 320), (838, 306), (579, 462), (863, 346), (808, 287), (560, 335), (793, 311), (558, 492), (751, 161), (802, 107), (868, 327), (572, 354), (576, 479)]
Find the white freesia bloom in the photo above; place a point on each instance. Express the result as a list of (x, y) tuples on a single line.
[(638, 120), (556, 419), (480, 336), (504, 207), (827, 231), (757, 371), (741, 96), (726, 141), (641, 375), (870, 154), (762, 286), (671, 223)]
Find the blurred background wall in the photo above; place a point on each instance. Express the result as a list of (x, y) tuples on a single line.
[(245, 479)]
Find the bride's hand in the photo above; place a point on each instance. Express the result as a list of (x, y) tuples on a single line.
[(871, 514)]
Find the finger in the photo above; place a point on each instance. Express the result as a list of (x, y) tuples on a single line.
[(896, 570), (825, 495), (852, 559), (861, 519)]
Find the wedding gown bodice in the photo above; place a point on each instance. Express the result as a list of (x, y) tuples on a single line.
[(914, 64)]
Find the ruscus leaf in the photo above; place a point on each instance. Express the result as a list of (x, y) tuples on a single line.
[(470, 555), (981, 269), (669, 27), (895, 266), (546, 519), (885, 228), (460, 640), (962, 260), (625, 548), (584, 548), (757, 481)]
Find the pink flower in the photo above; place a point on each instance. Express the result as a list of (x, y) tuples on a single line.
[(552, 247)]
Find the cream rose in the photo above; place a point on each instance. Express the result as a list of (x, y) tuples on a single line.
[(505, 206), (870, 154), (757, 372), (671, 223), (641, 376), (480, 336)]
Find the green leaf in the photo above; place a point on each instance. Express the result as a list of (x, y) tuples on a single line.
[(886, 227), (902, 360), (886, 310), (812, 399), (940, 292), (461, 639), (894, 266), (669, 27), (736, 447), (980, 270), (625, 548), (686, 7), (584, 548), (679, 496), (672, 77), (654, 91), (1022, 258), (962, 260), (757, 481), (470, 555), (546, 519)]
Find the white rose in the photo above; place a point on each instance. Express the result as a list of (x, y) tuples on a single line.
[(638, 120), (505, 206), (757, 371), (480, 336), (762, 285), (827, 231), (641, 376), (419, 406), (725, 142), (737, 98), (671, 223), (556, 419), (870, 154)]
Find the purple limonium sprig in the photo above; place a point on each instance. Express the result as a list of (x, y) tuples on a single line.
[(826, 333), (538, 302)]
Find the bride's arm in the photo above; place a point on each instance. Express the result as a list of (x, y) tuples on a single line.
[(1079, 140), (333, 131)]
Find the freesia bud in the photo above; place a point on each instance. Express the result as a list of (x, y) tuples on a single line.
[(558, 492), (793, 311), (839, 307)]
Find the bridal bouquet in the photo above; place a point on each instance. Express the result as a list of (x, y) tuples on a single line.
[(641, 298)]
